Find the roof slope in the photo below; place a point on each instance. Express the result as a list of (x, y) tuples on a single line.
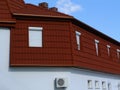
[(10, 8), (19, 7), (5, 14)]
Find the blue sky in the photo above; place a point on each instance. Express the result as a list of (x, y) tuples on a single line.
[(103, 15)]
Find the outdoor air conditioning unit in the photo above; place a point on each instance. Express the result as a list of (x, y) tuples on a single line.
[(61, 82)]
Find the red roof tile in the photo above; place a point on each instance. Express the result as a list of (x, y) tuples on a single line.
[(5, 14), (20, 8)]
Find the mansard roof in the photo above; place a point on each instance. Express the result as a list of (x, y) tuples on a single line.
[(11, 8)]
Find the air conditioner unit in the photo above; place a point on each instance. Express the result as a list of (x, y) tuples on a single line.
[(61, 82)]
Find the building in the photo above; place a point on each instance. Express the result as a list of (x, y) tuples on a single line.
[(43, 49)]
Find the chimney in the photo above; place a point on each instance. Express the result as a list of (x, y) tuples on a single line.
[(43, 4), (54, 9)]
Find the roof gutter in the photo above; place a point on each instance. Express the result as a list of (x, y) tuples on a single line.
[(9, 22)]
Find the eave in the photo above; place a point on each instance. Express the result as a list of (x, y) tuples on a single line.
[(96, 32), (9, 23), (34, 15)]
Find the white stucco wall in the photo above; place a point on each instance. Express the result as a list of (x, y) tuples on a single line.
[(42, 78)]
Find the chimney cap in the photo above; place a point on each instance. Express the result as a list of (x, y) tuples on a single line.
[(53, 9), (43, 4)]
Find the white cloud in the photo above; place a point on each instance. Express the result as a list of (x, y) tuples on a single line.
[(67, 6)]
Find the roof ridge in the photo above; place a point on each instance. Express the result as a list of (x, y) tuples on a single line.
[(28, 8), (48, 9)]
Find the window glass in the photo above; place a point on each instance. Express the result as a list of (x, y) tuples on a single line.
[(97, 47), (35, 36), (118, 53), (108, 50), (109, 86), (90, 84), (104, 85), (78, 39), (97, 85), (118, 86)]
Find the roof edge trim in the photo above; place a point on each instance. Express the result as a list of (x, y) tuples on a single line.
[(34, 15), (12, 22), (93, 30)]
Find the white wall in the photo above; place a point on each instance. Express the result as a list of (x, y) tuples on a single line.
[(40, 78), (80, 79)]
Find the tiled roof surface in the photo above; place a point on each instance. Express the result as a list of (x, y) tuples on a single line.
[(5, 14), (19, 7), (10, 8)]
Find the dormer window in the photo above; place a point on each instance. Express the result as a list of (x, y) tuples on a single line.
[(118, 53), (108, 50), (35, 36), (97, 47), (78, 39)]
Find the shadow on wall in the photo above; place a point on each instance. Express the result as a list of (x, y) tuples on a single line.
[(94, 73), (62, 69), (38, 69), (59, 88)]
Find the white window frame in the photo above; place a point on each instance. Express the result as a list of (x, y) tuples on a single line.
[(78, 34), (97, 46), (108, 50), (118, 53), (36, 43)]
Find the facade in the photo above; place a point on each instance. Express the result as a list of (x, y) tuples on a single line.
[(43, 49)]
